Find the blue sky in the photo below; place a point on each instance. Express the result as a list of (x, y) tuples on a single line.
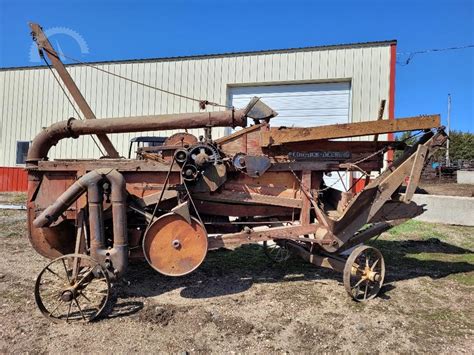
[(122, 29)]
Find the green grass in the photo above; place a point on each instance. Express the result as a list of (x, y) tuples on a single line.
[(428, 249), (461, 236)]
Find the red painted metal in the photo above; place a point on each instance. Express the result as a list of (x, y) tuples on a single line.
[(358, 186), (13, 179)]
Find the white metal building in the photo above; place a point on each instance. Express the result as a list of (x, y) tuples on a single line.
[(307, 86)]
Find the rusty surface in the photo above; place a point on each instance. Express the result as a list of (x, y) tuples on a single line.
[(259, 184), (73, 128), (174, 247)]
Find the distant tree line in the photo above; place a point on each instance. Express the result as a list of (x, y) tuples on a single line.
[(461, 145)]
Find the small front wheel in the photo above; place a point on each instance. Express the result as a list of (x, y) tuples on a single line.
[(73, 287), (364, 273)]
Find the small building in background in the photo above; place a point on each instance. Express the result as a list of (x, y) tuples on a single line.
[(307, 86)]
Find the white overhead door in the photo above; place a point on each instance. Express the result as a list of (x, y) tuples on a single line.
[(302, 105)]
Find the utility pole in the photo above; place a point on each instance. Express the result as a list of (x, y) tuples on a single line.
[(448, 161)]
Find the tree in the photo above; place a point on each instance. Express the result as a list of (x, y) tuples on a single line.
[(461, 145)]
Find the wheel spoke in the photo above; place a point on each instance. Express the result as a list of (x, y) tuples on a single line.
[(83, 295), (57, 304), (55, 273), (374, 265), (358, 282), (68, 311), (79, 307), (357, 289), (366, 288), (84, 277), (65, 269)]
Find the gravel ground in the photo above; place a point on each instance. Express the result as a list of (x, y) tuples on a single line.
[(240, 302), (447, 189)]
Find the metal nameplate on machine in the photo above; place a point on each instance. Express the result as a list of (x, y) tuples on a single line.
[(319, 155)]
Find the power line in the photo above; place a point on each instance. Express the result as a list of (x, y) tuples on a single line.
[(70, 101), (202, 103), (411, 55)]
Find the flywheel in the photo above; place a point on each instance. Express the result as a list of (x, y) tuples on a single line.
[(173, 246), (182, 139)]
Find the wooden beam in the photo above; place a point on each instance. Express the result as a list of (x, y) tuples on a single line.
[(241, 197), (346, 130), (44, 44), (233, 240), (415, 174)]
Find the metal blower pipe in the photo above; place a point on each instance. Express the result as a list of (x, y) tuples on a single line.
[(73, 128), (67, 198), (117, 256)]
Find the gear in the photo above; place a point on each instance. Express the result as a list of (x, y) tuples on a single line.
[(202, 154)]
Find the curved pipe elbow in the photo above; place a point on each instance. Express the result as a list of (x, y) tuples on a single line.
[(48, 138), (66, 199)]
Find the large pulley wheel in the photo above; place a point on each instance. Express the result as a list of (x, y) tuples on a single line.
[(73, 287), (182, 139), (174, 247), (364, 273)]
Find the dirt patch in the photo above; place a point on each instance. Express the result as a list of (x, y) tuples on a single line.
[(160, 315), (446, 189), (232, 325)]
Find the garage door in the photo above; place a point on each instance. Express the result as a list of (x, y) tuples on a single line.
[(302, 105)]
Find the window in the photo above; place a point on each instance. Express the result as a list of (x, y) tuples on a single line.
[(22, 151)]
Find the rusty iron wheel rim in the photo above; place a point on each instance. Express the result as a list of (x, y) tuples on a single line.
[(364, 273), (276, 251), (173, 247), (65, 295)]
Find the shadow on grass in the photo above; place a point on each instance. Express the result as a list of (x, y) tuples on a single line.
[(409, 259), (232, 272)]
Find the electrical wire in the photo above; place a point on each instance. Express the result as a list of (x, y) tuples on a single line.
[(411, 55), (69, 99), (202, 103)]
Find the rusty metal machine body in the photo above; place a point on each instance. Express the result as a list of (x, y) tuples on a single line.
[(179, 200)]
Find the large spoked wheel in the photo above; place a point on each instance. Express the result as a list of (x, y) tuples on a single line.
[(364, 273), (73, 287), (276, 250)]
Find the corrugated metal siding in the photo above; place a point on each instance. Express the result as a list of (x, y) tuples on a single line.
[(300, 105), (31, 99), (13, 179)]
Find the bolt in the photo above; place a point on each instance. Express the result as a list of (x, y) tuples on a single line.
[(176, 244)]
